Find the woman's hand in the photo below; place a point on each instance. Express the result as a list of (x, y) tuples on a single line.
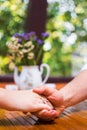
[(26, 101)]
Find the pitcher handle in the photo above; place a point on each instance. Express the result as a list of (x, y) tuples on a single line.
[(42, 66)]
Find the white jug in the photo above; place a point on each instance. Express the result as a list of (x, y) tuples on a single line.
[(31, 76)]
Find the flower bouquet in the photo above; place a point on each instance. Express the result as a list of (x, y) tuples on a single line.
[(26, 48)]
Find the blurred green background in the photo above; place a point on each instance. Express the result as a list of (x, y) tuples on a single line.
[(66, 48)]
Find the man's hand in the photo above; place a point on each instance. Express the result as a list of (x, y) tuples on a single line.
[(55, 98)]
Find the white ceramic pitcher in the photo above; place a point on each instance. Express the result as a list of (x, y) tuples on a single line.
[(31, 76)]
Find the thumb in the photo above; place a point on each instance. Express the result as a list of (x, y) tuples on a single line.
[(60, 110), (43, 90)]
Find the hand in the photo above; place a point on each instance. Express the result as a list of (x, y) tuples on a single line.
[(24, 100), (55, 98)]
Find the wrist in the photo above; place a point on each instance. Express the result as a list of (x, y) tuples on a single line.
[(6, 100), (67, 95), (63, 98), (3, 98)]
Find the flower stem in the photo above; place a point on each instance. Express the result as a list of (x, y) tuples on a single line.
[(39, 54)]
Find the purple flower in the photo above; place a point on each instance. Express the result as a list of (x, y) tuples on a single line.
[(17, 35), (44, 34), (40, 41), (19, 40), (25, 36), (31, 33), (31, 36)]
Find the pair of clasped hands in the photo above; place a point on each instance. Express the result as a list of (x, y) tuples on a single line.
[(45, 102), (55, 101), (51, 101), (41, 102)]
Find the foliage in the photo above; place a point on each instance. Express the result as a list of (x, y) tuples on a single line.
[(12, 16), (67, 31)]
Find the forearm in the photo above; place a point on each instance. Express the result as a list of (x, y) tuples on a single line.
[(75, 91), (23, 100), (4, 99), (8, 100)]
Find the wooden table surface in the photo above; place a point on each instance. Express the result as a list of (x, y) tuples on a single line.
[(75, 119)]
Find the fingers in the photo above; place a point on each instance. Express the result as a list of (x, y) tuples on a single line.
[(37, 108), (40, 107), (44, 90), (47, 115), (60, 110), (51, 94), (50, 115)]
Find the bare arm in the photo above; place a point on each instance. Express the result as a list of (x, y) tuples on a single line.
[(23, 100), (75, 91)]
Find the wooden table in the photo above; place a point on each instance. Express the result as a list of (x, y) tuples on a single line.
[(69, 120)]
